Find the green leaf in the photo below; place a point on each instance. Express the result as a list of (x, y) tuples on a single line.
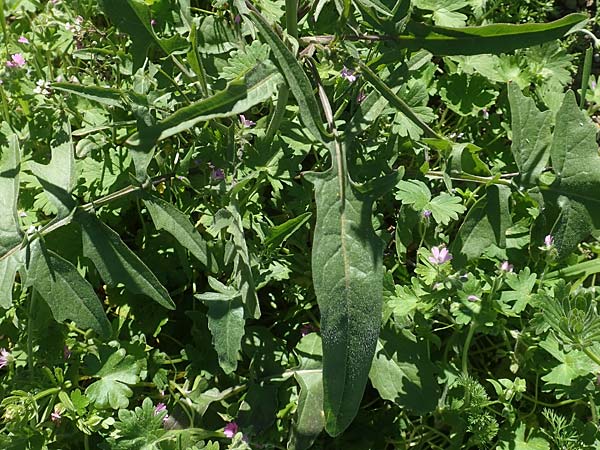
[(116, 263), (242, 268), (116, 370), (576, 163), (444, 11), (294, 76), (134, 18), (496, 38), (166, 217), (226, 322), (444, 207), (103, 95), (67, 293), (485, 225), (58, 177), (403, 373), (348, 281), (8, 270), (516, 440), (467, 94), (310, 419), (242, 61), (240, 95), (277, 235), (531, 136), (414, 193), (10, 165), (139, 429)]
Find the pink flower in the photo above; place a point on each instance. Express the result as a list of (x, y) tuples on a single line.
[(56, 416), (506, 267), (361, 97), (426, 213), (160, 408), (473, 298), (439, 255), (230, 429), (66, 352), (348, 74), (217, 174), (23, 40), (246, 122), (17, 60), (549, 241), (307, 328), (152, 22), (237, 19), (5, 358)]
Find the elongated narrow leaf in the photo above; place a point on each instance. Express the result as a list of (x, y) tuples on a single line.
[(68, 295), (134, 18), (117, 263), (58, 177), (294, 75), (576, 163), (8, 270), (532, 136), (310, 419), (103, 95), (10, 165), (166, 217), (240, 95), (485, 225), (278, 234), (496, 38), (348, 280)]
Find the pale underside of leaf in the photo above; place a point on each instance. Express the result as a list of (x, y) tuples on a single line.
[(10, 163)]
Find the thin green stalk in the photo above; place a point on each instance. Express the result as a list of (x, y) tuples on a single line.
[(585, 77), (465, 352), (278, 113), (291, 17), (32, 303)]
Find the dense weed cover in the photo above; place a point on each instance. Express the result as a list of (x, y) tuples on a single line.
[(367, 224)]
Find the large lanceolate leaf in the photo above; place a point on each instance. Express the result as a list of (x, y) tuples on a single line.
[(485, 224), (10, 165), (294, 75), (58, 177), (576, 163), (495, 38), (117, 263), (348, 280), (166, 217), (240, 95), (103, 95), (133, 17), (309, 421), (67, 293), (8, 271), (532, 136)]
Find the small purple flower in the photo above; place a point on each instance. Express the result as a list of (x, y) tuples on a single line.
[(17, 60), (485, 113), (152, 22), (230, 429), (426, 213), (506, 266), (5, 358), (56, 416), (217, 174), (160, 408), (246, 122), (66, 352), (439, 255), (549, 241), (361, 97), (473, 298), (348, 74), (237, 19), (593, 84), (23, 40)]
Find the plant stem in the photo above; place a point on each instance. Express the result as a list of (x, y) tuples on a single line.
[(291, 17), (465, 354)]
